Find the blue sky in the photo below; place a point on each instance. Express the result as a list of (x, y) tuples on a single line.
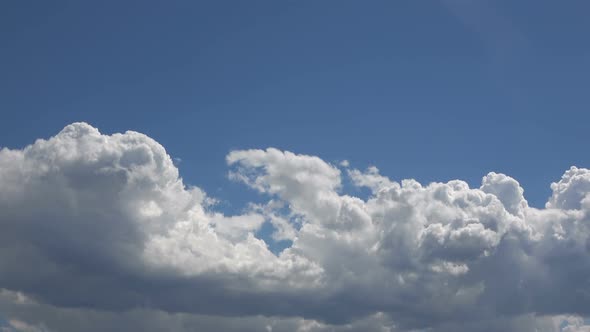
[(432, 91), (429, 90)]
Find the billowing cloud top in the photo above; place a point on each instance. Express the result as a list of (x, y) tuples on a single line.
[(97, 224)]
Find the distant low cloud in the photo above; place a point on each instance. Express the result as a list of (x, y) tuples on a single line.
[(100, 232)]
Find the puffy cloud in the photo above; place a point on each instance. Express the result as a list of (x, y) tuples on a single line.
[(571, 192), (93, 224), (507, 190), (96, 220)]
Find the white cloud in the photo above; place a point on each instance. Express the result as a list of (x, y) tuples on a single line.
[(571, 192), (95, 223)]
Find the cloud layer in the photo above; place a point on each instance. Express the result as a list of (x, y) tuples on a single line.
[(96, 224)]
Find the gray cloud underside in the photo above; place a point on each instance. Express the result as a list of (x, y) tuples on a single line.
[(101, 229)]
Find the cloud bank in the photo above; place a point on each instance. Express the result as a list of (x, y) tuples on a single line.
[(101, 231)]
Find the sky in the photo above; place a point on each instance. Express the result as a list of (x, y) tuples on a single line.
[(265, 162)]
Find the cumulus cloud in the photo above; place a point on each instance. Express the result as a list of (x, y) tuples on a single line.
[(96, 224)]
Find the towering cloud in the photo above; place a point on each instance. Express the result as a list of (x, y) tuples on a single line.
[(102, 226)]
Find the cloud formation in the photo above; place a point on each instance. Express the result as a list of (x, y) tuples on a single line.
[(96, 224)]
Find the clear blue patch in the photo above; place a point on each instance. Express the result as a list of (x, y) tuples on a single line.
[(276, 247)]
